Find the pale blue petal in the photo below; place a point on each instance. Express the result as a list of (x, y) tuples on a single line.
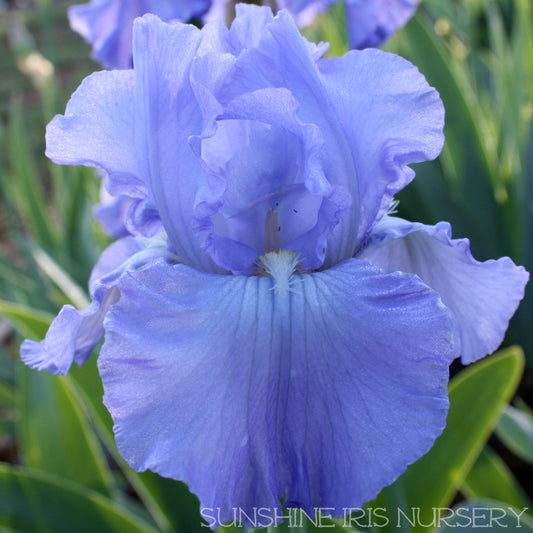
[(168, 114), (283, 58), (264, 160), (372, 22), (391, 118), (482, 297), (111, 212), (249, 25), (113, 257), (74, 334), (320, 395), (97, 130)]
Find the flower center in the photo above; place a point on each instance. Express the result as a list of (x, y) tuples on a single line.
[(281, 267)]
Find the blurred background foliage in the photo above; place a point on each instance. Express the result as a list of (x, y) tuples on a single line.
[(59, 468)]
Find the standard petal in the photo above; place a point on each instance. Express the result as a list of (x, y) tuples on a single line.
[(319, 395), (74, 334), (375, 111), (97, 130), (168, 114), (482, 297), (391, 118), (264, 160), (283, 58)]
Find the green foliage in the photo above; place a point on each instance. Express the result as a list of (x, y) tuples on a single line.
[(515, 429), (491, 478), (58, 506)]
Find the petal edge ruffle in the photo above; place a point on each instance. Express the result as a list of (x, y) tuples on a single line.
[(481, 296)]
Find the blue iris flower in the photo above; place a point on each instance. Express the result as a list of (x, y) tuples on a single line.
[(107, 24), (272, 333)]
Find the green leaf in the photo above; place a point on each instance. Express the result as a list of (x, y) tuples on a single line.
[(30, 323), (515, 429), (62, 279), (7, 394), (491, 478), (35, 502), (477, 397), (474, 516), (23, 185), (55, 433)]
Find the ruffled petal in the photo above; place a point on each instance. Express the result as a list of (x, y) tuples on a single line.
[(372, 22), (320, 394), (74, 334), (283, 58), (97, 130), (391, 118), (482, 297), (168, 115), (264, 162)]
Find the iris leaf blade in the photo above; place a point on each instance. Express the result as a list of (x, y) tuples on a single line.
[(515, 429), (491, 478), (59, 506), (55, 432), (30, 323)]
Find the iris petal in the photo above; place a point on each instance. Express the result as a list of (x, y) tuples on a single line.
[(168, 115), (391, 117), (282, 58), (111, 213), (101, 134), (74, 334), (262, 158), (482, 297), (319, 395)]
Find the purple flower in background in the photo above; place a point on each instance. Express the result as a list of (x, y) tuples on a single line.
[(277, 335), (370, 22), (107, 24)]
